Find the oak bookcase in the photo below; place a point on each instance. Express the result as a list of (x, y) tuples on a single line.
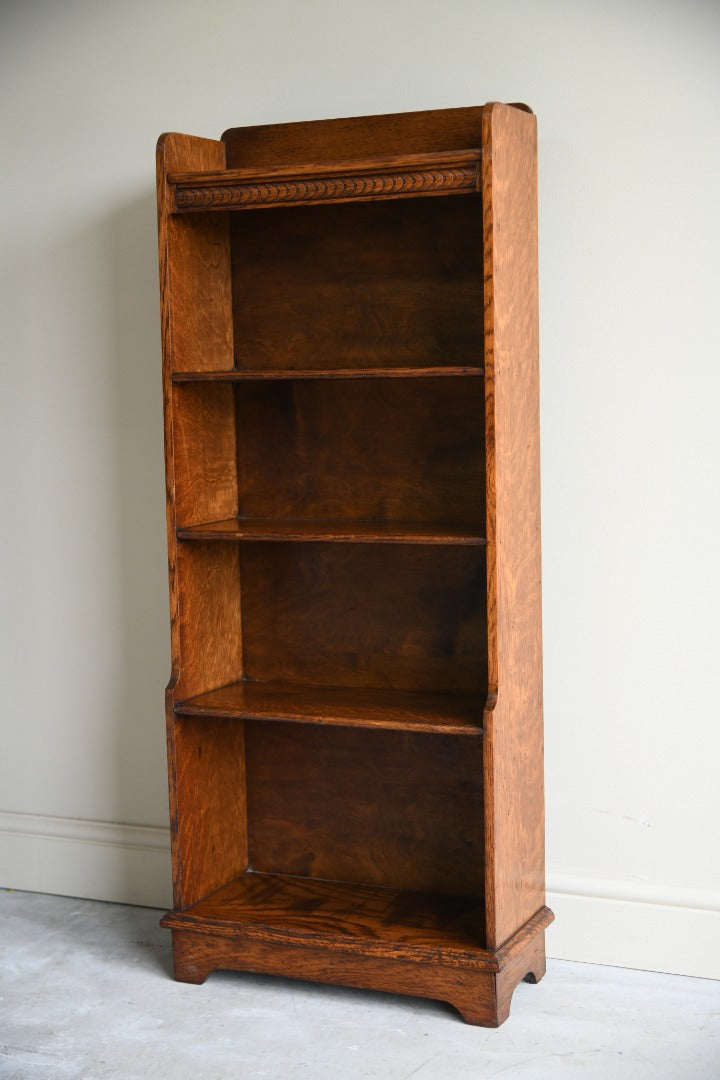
[(354, 717)]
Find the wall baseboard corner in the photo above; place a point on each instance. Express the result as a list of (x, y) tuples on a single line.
[(621, 923), (635, 924), (95, 860)]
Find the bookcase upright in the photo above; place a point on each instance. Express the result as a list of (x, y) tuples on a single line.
[(354, 716)]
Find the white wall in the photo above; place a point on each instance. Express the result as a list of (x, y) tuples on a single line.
[(627, 98)]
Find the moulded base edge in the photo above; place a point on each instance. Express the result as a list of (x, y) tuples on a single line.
[(481, 994)]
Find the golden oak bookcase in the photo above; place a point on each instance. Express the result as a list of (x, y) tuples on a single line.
[(354, 717)]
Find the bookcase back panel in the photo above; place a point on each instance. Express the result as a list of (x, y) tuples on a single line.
[(354, 136), (375, 449), (376, 808), (407, 618), (388, 284)]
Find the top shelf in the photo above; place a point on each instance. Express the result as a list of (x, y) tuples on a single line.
[(402, 177)]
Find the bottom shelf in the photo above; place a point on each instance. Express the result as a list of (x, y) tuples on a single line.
[(374, 920), (423, 944)]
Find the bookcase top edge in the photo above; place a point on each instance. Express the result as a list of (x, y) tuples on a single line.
[(356, 136), (458, 111), (392, 118)]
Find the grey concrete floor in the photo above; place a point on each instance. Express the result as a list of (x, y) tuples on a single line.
[(86, 992)]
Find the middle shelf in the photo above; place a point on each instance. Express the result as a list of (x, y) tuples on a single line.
[(399, 710), (356, 532), (246, 374)]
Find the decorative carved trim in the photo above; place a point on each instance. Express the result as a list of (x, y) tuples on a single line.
[(379, 185)]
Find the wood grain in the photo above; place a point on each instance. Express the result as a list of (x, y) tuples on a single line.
[(195, 266), (373, 920), (204, 448), (372, 451), (253, 374), (196, 317), (205, 766), (283, 145), (312, 170), (209, 819), (401, 617), (364, 919), (208, 619), (406, 176), (513, 720), (357, 707), (357, 944), (177, 268), (307, 294), (474, 993), (372, 807), (524, 963), (351, 431), (337, 532)]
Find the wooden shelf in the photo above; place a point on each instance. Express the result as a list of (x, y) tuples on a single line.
[(399, 177), (369, 919), (258, 374), (397, 710), (351, 532)]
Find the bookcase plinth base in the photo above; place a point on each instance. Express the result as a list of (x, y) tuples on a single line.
[(480, 994)]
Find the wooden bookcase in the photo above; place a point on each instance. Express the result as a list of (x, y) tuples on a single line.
[(354, 717)]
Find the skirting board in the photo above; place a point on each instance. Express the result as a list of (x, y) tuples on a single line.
[(634, 925), (621, 923), (95, 860)]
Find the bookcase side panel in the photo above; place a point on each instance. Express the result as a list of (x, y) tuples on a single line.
[(204, 453), (196, 318), (205, 763), (208, 823), (514, 718), (195, 268), (208, 617)]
